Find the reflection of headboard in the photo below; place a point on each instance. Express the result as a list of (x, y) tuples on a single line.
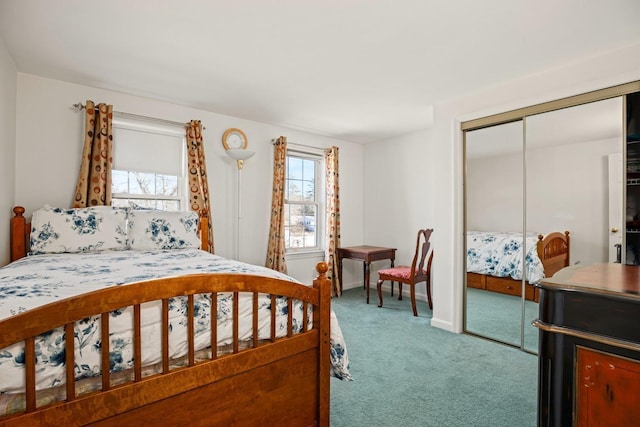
[(554, 251), (20, 230)]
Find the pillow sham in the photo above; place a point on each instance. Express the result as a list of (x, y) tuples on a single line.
[(56, 230), (156, 229)]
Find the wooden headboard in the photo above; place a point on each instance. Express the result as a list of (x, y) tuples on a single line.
[(21, 229)]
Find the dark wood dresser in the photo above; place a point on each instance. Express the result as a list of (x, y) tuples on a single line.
[(589, 358)]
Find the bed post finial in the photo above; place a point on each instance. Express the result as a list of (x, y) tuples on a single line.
[(19, 234), (322, 267)]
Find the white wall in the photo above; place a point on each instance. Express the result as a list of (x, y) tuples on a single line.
[(494, 193), (399, 198), (567, 189), (8, 88), (49, 146), (609, 69)]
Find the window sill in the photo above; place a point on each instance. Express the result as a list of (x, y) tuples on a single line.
[(302, 254)]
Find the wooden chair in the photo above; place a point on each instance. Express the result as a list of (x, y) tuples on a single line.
[(413, 275)]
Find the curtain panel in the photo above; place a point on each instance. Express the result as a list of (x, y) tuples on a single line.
[(276, 250), (332, 228), (93, 187), (197, 175)]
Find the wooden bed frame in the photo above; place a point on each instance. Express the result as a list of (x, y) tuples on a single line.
[(553, 250), (284, 381)]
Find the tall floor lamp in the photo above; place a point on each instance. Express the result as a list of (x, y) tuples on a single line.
[(235, 144)]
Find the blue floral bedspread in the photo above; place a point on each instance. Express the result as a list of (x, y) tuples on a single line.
[(40, 279), (500, 254)]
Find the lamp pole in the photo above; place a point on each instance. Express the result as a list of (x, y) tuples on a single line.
[(239, 155)]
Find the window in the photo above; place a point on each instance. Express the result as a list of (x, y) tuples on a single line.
[(302, 209), (148, 165)]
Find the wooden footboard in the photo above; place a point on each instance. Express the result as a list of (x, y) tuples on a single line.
[(554, 250), (284, 381)]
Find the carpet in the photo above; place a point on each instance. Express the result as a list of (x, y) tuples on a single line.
[(410, 374)]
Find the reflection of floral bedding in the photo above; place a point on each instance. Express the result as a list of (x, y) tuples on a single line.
[(500, 254), (40, 279)]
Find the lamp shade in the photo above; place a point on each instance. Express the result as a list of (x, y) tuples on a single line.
[(240, 153)]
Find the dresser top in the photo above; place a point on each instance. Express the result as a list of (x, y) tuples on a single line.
[(605, 278)]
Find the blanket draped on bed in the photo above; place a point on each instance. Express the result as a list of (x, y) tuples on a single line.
[(500, 254)]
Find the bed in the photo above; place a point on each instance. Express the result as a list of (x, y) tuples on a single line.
[(143, 316), (494, 260)]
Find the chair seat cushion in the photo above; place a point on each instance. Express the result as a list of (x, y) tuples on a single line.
[(401, 272)]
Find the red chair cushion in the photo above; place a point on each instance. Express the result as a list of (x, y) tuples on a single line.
[(401, 272)]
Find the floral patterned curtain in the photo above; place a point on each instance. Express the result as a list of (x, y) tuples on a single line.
[(94, 181), (197, 175), (276, 249), (333, 217)]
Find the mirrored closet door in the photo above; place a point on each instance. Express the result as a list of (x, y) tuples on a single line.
[(573, 172), (527, 181), (494, 215)]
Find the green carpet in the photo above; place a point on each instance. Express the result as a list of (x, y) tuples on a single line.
[(497, 316), (407, 373)]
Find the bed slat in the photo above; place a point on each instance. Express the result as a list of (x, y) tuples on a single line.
[(104, 351), (191, 330), (70, 361), (214, 325), (289, 317), (137, 344), (273, 317), (236, 322), (165, 336), (254, 326), (305, 315), (30, 373)]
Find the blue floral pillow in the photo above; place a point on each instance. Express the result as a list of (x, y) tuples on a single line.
[(155, 229), (56, 230)]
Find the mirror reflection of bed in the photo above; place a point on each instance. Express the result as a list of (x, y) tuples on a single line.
[(545, 174)]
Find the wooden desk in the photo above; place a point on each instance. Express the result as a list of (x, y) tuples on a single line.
[(589, 362), (367, 254)]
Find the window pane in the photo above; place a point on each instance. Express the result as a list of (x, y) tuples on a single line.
[(309, 192), (120, 203), (119, 181), (301, 226), (294, 168), (308, 170), (167, 185), (165, 205), (168, 205), (294, 190)]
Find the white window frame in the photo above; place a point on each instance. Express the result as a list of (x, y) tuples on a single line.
[(148, 126), (320, 203)]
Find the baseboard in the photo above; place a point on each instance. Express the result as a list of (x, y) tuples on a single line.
[(447, 326), (347, 286)]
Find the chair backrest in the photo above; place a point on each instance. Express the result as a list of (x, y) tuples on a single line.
[(422, 250)]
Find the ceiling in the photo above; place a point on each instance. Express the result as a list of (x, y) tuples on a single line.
[(357, 70)]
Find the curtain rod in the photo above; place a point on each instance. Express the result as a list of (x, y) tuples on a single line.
[(79, 107), (273, 141)]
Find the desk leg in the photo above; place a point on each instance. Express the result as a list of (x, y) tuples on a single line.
[(367, 271)]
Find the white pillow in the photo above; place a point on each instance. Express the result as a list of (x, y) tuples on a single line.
[(156, 229), (56, 230)]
